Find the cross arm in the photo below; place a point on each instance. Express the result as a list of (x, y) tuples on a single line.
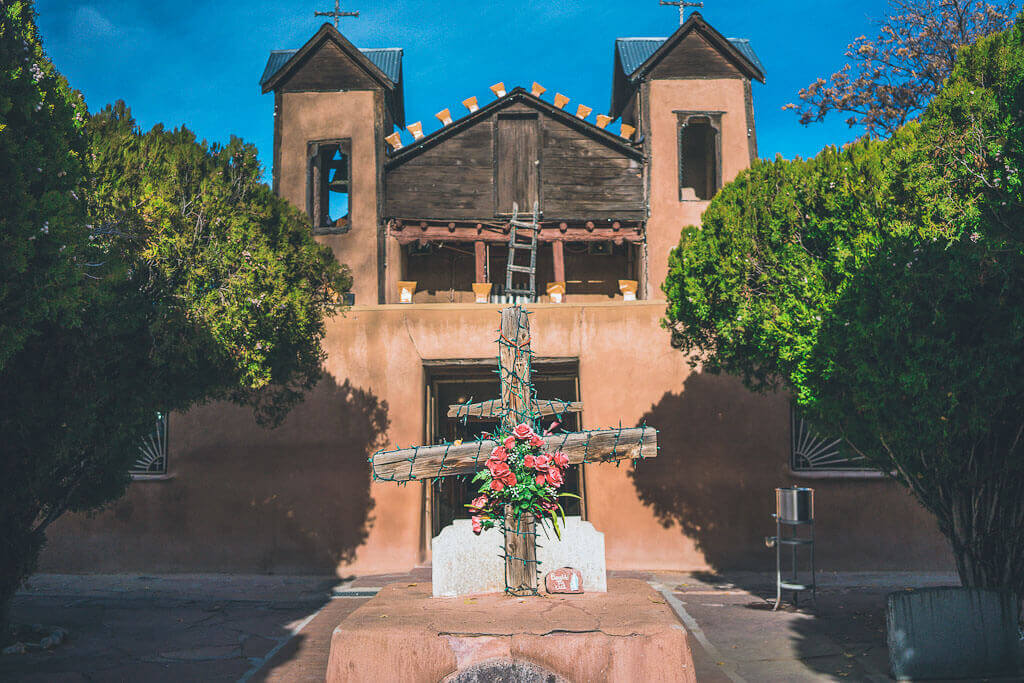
[(493, 409), (599, 445)]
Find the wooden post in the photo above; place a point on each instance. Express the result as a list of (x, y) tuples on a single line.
[(558, 251), (514, 355), (520, 553), (480, 251)]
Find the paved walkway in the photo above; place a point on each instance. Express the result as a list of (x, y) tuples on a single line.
[(260, 628)]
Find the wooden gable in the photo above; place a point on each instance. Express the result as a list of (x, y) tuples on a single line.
[(695, 57), (518, 148), (328, 68)]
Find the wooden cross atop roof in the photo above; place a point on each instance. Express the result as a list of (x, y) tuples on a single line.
[(516, 405), (336, 14), (682, 5)]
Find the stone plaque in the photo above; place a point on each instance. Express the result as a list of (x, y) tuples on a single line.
[(464, 563), (564, 580)]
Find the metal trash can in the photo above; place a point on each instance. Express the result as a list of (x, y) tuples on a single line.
[(794, 504), (794, 511)]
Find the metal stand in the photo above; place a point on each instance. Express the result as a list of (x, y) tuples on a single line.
[(793, 540)]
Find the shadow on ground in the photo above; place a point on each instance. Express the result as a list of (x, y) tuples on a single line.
[(208, 628)]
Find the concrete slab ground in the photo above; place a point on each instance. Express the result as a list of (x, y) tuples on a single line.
[(267, 628)]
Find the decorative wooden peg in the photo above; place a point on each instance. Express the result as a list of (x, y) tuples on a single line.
[(416, 129), (561, 100), (603, 120), (583, 111), (627, 131), (470, 104), (537, 90), (444, 116), (498, 89), (395, 140)]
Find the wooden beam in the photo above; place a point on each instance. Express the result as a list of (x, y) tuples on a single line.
[(514, 366), (425, 462), (492, 408), (480, 254), (558, 251)]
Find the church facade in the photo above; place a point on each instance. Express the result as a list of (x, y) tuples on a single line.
[(424, 224)]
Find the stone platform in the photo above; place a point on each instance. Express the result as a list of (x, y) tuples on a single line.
[(404, 634)]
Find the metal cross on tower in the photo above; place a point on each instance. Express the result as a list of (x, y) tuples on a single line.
[(336, 14), (682, 5)]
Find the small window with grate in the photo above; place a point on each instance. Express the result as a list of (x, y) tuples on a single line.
[(814, 453), (151, 459), (329, 186)]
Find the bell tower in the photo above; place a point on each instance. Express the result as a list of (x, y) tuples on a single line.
[(689, 96), (333, 106)]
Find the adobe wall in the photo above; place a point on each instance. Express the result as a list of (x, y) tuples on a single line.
[(669, 215), (309, 116), (299, 500)]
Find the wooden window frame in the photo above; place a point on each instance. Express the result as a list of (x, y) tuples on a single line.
[(314, 171), (682, 120)]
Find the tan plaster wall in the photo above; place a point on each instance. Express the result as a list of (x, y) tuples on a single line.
[(299, 499), (308, 116), (668, 214)]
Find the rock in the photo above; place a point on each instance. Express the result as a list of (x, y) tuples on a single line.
[(564, 580), (464, 563)]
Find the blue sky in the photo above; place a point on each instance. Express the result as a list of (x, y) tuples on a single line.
[(198, 63)]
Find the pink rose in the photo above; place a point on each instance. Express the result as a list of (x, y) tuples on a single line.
[(497, 485), (549, 505), (554, 476), (522, 431), (478, 525), (510, 442), (539, 479), (510, 479), (478, 504), (560, 459), (541, 462), (536, 441), (499, 453), (528, 461), (498, 468)]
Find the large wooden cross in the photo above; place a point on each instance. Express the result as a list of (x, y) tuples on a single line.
[(517, 404)]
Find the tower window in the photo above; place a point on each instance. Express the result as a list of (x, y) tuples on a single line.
[(700, 155), (329, 186)]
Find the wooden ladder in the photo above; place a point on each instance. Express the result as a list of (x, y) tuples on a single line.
[(519, 232)]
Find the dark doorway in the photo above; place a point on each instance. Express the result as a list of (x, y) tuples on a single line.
[(479, 382), (518, 162)]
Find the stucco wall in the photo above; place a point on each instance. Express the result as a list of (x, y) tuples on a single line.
[(308, 116), (299, 498), (668, 214)]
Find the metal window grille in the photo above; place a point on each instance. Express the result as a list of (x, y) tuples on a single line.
[(813, 451), (152, 455)]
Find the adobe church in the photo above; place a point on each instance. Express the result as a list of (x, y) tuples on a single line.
[(427, 223)]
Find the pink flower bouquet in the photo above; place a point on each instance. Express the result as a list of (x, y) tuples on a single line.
[(520, 473)]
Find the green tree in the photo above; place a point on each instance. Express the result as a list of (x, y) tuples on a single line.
[(42, 223), (882, 285), (182, 279)]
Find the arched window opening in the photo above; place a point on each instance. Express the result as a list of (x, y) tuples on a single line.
[(699, 157)]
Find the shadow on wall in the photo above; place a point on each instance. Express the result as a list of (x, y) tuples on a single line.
[(295, 499), (723, 452), (720, 453)]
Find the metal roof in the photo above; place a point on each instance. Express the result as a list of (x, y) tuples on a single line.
[(633, 52), (387, 59)]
